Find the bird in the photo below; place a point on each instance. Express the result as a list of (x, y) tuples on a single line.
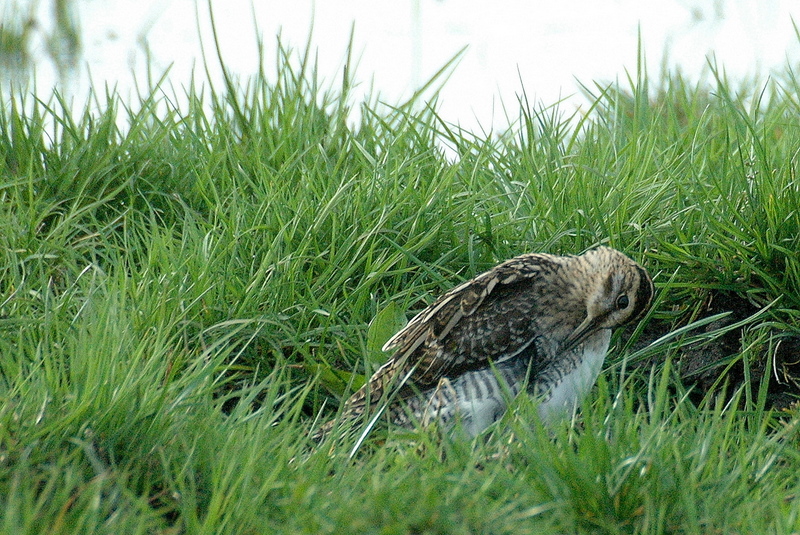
[(537, 322)]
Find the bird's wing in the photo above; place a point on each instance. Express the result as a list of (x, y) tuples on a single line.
[(461, 330)]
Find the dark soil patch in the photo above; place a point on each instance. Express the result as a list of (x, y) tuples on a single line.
[(705, 366)]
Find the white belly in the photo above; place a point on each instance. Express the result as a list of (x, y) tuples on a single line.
[(565, 397)]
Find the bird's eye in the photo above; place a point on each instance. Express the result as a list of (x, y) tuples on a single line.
[(622, 302)]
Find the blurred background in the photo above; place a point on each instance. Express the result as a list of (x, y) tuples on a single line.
[(549, 48)]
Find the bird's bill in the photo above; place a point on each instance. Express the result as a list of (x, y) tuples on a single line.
[(581, 332)]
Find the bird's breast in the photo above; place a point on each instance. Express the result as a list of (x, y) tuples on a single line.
[(579, 370)]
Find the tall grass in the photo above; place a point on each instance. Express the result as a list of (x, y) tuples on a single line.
[(182, 295)]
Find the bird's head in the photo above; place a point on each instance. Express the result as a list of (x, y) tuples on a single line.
[(617, 291)]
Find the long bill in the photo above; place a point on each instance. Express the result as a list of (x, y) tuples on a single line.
[(581, 332)]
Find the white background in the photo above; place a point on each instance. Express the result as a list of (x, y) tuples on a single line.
[(542, 45)]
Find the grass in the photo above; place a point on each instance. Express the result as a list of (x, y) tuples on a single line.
[(184, 289)]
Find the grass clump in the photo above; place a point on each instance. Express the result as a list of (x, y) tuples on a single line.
[(182, 295)]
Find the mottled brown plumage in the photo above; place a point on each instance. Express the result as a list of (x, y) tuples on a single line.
[(537, 320)]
